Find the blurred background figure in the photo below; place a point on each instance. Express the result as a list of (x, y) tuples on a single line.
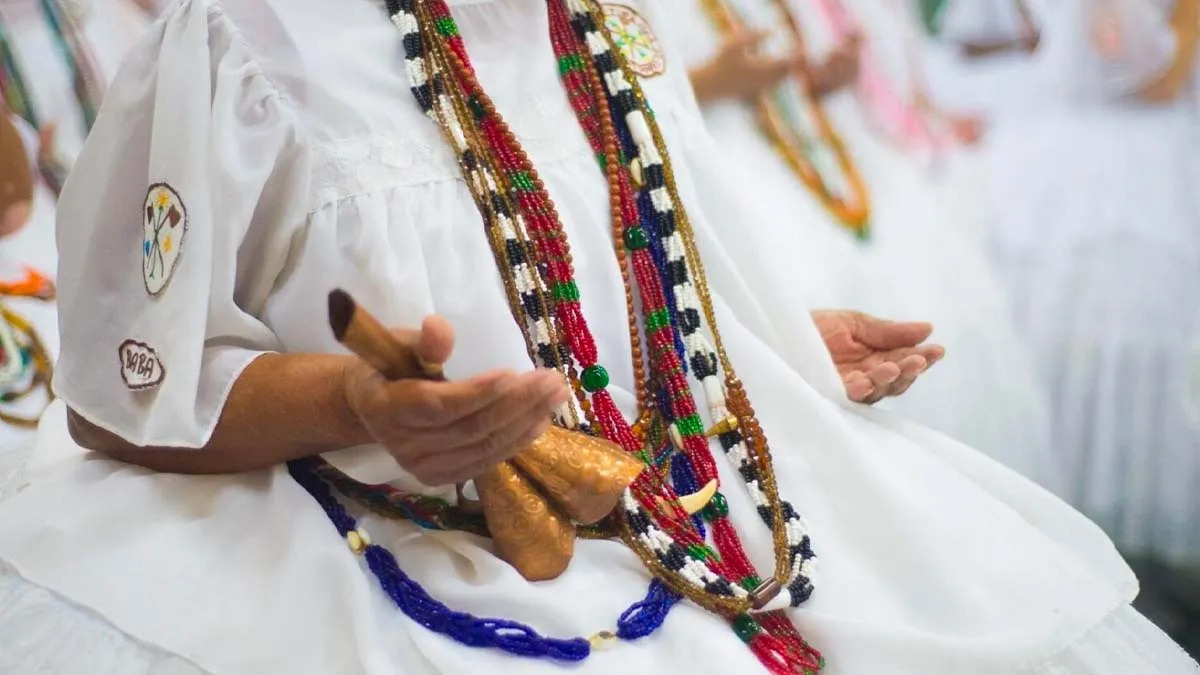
[(826, 102), (55, 58), (1094, 176)]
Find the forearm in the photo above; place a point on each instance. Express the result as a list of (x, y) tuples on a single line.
[(282, 407), (1186, 24)]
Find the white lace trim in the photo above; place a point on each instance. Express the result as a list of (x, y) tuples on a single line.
[(360, 165)]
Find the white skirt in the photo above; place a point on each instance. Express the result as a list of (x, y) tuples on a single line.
[(1098, 237), (43, 633)]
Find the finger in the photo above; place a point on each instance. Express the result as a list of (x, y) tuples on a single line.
[(929, 353), (425, 404), (883, 375), (436, 340), (503, 421), (858, 386), (881, 334), (462, 464), (910, 369)]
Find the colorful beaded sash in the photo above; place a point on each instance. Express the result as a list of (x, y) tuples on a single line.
[(662, 269)]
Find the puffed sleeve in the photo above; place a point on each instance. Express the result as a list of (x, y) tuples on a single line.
[(173, 229)]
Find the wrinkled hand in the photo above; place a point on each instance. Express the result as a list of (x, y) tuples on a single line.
[(739, 72), (876, 358), (450, 432)]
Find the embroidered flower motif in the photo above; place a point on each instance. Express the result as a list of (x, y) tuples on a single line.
[(164, 229), (634, 38)]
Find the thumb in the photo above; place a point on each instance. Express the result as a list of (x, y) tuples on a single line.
[(435, 342)]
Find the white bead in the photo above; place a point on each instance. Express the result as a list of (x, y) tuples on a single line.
[(780, 602), (642, 137)]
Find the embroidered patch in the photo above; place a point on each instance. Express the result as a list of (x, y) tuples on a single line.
[(164, 229), (635, 39), (140, 366)]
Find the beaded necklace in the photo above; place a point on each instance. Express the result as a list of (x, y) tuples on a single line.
[(802, 134), (530, 216), (72, 46), (25, 363), (909, 121), (533, 256)]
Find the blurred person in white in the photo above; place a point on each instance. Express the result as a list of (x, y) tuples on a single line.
[(57, 57), (1097, 232), (920, 258), (253, 155)]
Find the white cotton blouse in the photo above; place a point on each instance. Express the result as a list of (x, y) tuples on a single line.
[(286, 132)]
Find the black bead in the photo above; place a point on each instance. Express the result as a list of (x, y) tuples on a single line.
[(515, 252), (703, 365), (729, 439), (800, 589), (674, 559), (469, 161), (749, 473), (789, 511), (586, 23), (627, 101), (424, 97), (766, 515), (546, 355), (532, 304), (500, 206), (413, 47), (719, 587), (654, 176), (666, 224), (677, 272), (605, 63), (639, 522)]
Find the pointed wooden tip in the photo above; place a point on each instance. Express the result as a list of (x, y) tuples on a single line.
[(341, 312)]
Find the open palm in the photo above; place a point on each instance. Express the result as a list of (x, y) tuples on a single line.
[(876, 358)]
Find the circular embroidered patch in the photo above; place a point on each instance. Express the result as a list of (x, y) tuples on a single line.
[(635, 39), (164, 228)]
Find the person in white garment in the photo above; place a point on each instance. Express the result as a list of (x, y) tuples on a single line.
[(62, 52), (299, 161), (919, 262), (1102, 251)]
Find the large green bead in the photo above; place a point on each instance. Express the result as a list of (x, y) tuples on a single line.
[(746, 628), (717, 507), (594, 378), (636, 238)]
